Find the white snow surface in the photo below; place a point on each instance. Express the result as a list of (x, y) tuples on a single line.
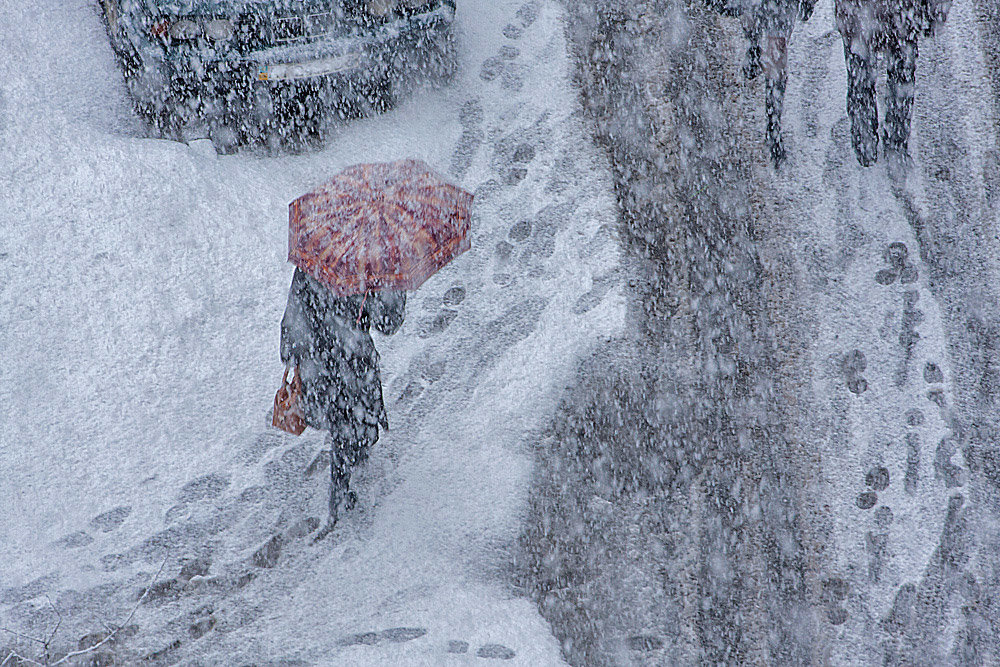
[(142, 285)]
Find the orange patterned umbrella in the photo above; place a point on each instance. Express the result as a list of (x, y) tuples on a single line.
[(385, 225)]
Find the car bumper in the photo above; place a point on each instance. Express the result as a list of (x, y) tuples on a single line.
[(362, 56), (221, 85)]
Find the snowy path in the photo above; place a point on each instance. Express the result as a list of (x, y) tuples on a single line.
[(875, 328), (142, 285)]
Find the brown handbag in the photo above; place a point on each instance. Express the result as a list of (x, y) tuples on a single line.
[(288, 415)]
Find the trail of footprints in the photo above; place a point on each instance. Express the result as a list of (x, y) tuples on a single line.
[(203, 585), (878, 478), (503, 66)]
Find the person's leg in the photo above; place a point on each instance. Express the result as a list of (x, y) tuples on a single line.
[(861, 105), (776, 79), (349, 447), (365, 436), (751, 30), (902, 68), (340, 477)]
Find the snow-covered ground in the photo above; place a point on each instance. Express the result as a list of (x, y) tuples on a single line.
[(860, 526), (876, 326), (142, 285)]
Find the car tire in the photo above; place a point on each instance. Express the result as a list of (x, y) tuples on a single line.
[(445, 60), (158, 121), (379, 95)]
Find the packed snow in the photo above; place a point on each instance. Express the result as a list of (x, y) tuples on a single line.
[(144, 282)]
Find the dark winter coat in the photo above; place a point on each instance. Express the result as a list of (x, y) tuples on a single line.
[(328, 338), (765, 12), (874, 25)]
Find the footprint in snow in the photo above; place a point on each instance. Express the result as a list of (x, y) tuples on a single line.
[(876, 479), (520, 231), (877, 544), (911, 479), (75, 540), (487, 189), (401, 635), (438, 323), (833, 594), (914, 417), (471, 118), (936, 396), (454, 296), (851, 366), (496, 651), (392, 635), (527, 14), (458, 646), (951, 474), (491, 68), (513, 31), (503, 250), (644, 643), (110, 520), (932, 373), (203, 488), (602, 285), (502, 66), (895, 256), (515, 175)]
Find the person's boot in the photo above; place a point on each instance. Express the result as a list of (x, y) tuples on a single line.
[(864, 138), (777, 150), (342, 499)]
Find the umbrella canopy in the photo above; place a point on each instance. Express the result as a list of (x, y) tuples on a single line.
[(377, 226)]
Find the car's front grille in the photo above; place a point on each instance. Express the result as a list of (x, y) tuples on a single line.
[(289, 29), (261, 29), (302, 27)]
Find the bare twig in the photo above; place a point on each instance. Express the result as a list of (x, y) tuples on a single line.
[(24, 636), (55, 629), (104, 641), (20, 657)]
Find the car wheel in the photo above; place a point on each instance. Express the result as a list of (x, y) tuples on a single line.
[(444, 61), (160, 123), (258, 118), (380, 95)]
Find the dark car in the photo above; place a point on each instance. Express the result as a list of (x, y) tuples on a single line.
[(240, 68)]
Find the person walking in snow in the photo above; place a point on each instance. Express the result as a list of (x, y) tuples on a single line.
[(892, 27), (767, 25), (327, 338)]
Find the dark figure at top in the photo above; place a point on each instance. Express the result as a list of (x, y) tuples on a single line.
[(891, 27), (328, 338), (767, 25)]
